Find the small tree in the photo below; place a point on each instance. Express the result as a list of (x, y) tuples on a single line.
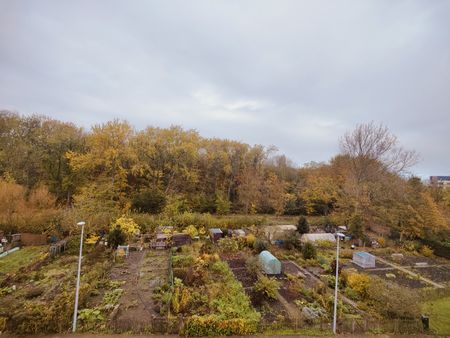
[(116, 237), (356, 226), (309, 251), (302, 225)]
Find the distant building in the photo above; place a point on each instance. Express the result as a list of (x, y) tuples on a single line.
[(317, 237), (277, 233), (440, 181)]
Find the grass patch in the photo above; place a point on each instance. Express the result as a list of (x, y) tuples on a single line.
[(439, 313), (21, 258), (305, 331)]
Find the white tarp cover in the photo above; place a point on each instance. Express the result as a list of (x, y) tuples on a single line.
[(279, 232), (317, 237)]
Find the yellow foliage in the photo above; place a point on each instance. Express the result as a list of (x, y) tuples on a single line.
[(127, 225), (92, 239), (250, 240), (381, 241), (360, 283), (426, 251), (191, 230)]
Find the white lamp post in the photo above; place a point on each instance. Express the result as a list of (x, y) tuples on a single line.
[(75, 311), (339, 236)]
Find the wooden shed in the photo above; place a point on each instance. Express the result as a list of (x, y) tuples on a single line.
[(215, 234), (28, 239), (180, 239)]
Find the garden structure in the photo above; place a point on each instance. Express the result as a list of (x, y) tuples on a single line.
[(317, 237), (269, 263), (276, 234), (364, 259), (179, 239), (215, 234)]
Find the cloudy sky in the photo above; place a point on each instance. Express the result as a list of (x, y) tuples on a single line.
[(294, 74)]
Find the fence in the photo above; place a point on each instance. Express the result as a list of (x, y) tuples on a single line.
[(174, 325)]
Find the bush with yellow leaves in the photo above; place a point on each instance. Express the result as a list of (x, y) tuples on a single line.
[(128, 226), (360, 283)]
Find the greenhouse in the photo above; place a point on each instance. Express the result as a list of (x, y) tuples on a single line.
[(269, 263), (364, 259)]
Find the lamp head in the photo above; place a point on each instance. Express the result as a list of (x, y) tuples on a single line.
[(340, 235), (81, 223)]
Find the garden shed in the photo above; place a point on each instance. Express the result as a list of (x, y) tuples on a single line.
[(269, 263), (28, 239), (364, 259), (215, 234), (317, 237), (179, 239)]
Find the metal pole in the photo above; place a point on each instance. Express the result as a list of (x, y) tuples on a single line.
[(336, 286), (75, 311)]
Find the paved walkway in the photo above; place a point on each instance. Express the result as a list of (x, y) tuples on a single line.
[(409, 272)]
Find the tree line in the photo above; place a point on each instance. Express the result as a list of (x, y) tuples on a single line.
[(50, 168)]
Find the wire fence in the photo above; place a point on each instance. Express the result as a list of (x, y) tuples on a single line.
[(174, 325)]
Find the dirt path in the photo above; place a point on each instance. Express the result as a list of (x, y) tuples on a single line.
[(142, 272), (409, 272)]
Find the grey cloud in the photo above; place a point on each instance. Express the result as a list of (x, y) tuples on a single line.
[(295, 74)]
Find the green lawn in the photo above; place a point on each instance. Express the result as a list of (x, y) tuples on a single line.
[(439, 312), (21, 258)]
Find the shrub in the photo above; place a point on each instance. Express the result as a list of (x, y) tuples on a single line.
[(426, 251), (89, 318), (292, 242), (381, 241), (181, 261), (267, 287), (411, 245), (302, 225), (127, 225), (360, 283), (228, 244), (191, 230), (252, 265), (250, 240), (309, 251), (260, 245), (116, 237)]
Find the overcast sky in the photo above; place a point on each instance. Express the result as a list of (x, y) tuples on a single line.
[(294, 74)]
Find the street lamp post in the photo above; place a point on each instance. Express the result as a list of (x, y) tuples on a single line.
[(75, 311), (338, 235)]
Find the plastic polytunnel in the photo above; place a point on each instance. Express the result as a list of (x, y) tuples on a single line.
[(269, 263)]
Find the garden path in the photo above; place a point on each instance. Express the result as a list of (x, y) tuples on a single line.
[(409, 272), (142, 272)]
